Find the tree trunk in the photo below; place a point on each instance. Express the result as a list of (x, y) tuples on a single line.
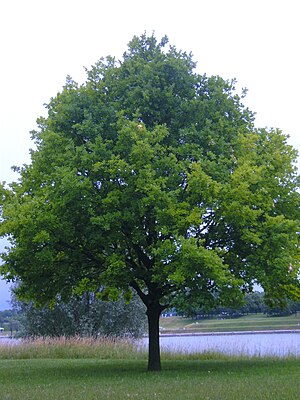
[(153, 314)]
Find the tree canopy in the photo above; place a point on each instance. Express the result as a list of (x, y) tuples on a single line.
[(152, 177)]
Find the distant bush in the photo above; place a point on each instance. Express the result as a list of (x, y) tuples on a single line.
[(86, 317)]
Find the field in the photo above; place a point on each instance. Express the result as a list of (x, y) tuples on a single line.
[(72, 379), (109, 369), (253, 322)]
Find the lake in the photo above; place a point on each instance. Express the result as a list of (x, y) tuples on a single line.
[(258, 344), (8, 341)]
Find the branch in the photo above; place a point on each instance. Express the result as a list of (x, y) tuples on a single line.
[(140, 293), (142, 257), (90, 256)]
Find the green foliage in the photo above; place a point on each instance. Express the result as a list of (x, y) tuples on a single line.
[(6, 315), (253, 303), (153, 177), (84, 317)]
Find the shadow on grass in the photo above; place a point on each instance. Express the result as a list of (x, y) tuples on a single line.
[(91, 369)]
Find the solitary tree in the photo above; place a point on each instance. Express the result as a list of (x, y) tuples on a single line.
[(152, 177)]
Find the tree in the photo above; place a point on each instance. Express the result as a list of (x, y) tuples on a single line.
[(83, 316), (153, 178), (254, 303)]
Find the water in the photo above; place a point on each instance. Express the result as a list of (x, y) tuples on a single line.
[(260, 344), (8, 341)]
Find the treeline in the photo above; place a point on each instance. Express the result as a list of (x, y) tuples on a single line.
[(6, 316), (254, 303), (84, 316), (89, 316)]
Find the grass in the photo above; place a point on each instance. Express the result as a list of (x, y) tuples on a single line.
[(87, 348), (89, 379), (72, 348), (112, 369), (254, 322)]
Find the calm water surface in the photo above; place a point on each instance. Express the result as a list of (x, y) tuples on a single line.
[(8, 341), (260, 344)]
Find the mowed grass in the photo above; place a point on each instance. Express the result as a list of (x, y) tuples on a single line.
[(112, 369), (254, 322), (45, 379)]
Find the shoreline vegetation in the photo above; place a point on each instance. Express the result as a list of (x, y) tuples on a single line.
[(116, 348), (246, 324), (109, 348)]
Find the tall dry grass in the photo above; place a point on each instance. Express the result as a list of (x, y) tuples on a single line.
[(75, 347), (106, 348)]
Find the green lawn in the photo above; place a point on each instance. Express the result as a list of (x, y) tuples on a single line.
[(245, 323), (45, 379)]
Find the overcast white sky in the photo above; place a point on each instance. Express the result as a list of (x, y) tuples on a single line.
[(42, 41)]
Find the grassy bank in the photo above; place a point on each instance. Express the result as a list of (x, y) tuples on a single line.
[(113, 369), (254, 322)]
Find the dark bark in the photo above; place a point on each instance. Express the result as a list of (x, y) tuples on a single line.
[(154, 309), (153, 314)]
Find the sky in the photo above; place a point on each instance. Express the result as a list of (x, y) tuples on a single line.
[(42, 41)]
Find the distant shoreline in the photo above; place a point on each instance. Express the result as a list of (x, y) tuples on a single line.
[(229, 333), (279, 331)]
